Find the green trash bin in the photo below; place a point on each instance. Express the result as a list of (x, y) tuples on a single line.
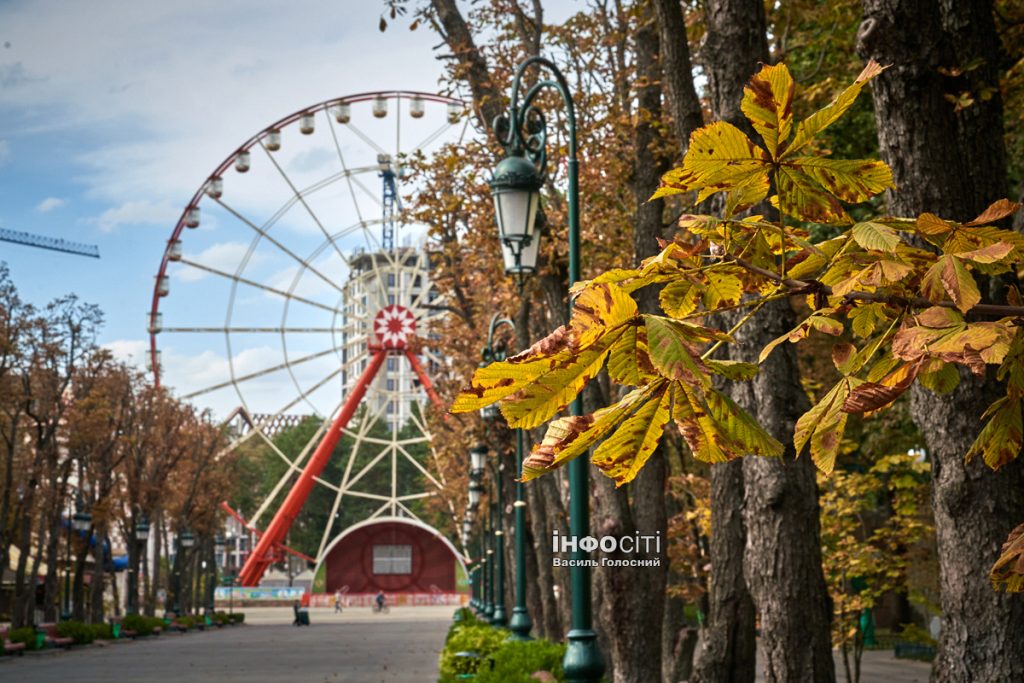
[(115, 629), (40, 638)]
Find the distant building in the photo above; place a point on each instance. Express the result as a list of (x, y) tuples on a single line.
[(379, 280)]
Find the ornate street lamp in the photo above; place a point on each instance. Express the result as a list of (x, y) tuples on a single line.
[(475, 491), (141, 537), (477, 463), (516, 188), (79, 523)]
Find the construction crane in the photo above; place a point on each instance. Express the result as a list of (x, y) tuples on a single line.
[(53, 243)]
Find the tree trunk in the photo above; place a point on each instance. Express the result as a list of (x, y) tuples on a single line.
[(782, 555), (677, 71), (633, 598), (97, 582), (728, 646), (954, 166)]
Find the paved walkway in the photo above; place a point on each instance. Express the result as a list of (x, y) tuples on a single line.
[(355, 647)]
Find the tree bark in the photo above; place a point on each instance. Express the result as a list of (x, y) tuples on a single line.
[(728, 646), (781, 561), (783, 553), (633, 598), (677, 71), (952, 164)]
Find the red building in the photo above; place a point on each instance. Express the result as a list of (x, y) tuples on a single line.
[(395, 555)]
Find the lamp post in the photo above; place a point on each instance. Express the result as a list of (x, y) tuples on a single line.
[(79, 523), (140, 539), (521, 623), (185, 540), (218, 542), (516, 188)]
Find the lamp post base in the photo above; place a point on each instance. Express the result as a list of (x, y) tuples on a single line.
[(498, 617), (582, 662), (520, 624)]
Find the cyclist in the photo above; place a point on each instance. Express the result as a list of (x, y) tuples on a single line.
[(380, 601)]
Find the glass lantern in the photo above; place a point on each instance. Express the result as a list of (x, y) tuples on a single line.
[(515, 187)]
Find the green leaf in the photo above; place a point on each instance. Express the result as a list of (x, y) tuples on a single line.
[(876, 236), (625, 452), (768, 103), (732, 369), (569, 437), (809, 128), (720, 158), (672, 351), (1001, 439), (597, 310), (1008, 570), (541, 399), (744, 431), (823, 426)]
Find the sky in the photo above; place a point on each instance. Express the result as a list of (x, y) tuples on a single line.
[(114, 113)]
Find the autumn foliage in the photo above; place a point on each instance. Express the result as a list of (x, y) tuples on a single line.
[(901, 296)]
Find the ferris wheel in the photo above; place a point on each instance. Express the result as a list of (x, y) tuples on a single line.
[(293, 288)]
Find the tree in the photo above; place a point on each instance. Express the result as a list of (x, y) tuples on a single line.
[(892, 295), (945, 72)]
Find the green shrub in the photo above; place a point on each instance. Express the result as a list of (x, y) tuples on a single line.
[(80, 632), (237, 618), (25, 634), (102, 631), (142, 625), (482, 639), (517, 661), (186, 621)]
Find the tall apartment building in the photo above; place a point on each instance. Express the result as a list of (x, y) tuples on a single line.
[(379, 280)]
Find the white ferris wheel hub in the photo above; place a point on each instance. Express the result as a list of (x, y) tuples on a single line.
[(394, 325)]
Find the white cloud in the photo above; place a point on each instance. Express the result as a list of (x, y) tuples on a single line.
[(142, 212), (224, 256), (49, 204), (131, 351)]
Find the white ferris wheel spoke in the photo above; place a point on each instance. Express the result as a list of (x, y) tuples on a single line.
[(259, 373), (258, 285), (302, 200)]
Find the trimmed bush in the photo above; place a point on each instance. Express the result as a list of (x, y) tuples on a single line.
[(478, 638), (78, 631), (186, 621), (237, 618), (102, 631), (141, 624), (25, 634), (516, 662)]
